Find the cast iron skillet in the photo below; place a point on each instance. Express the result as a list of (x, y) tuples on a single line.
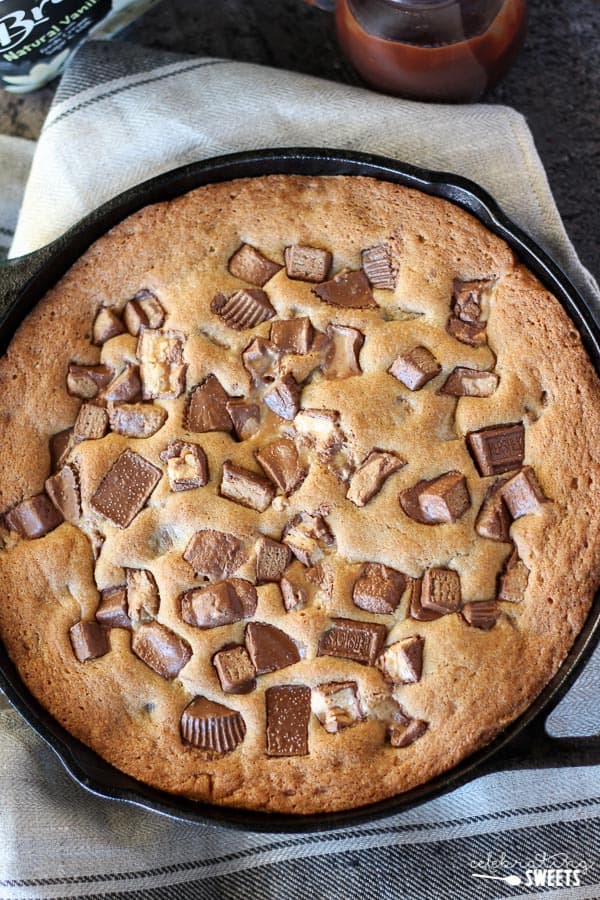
[(524, 743)]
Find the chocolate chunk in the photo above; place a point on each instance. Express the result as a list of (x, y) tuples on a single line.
[(466, 332), (88, 640), (417, 610), (493, 520), (272, 559), (125, 388), (85, 381), (246, 594), (207, 407), (211, 606), (416, 368), (440, 590), (402, 662), (370, 476), (91, 423), (112, 609), (245, 487), (144, 311), (481, 614), (288, 714), (378, 267), (249, 264), (341, 358), (212, 726), (187, 466), (161, 649), (497, 449), (281, 462), (243, 309), (214, 553), (463, 382), (405, 735), (307, 263), (34, 517), (378, 589), (107, 325), (441, 500), (63, 490), (125, 488), (261, 360), (245, 417), (522, 493), (162, 367), (235, 670), (350, 290), (284, 397), (336, 705), (270, 648), (349, 639), (305, 534), (137, 420), (143, 599), (60, 446), (292, 335), (514, 579), (468, 299)]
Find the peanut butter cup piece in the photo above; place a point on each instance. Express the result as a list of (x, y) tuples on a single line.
[(471, 333), (34, 517), (187, 466), (212, 726), (215, 554), (143, 600), (416, 368), (125, 489), (162, 367), (126, 387), (137, 420), (245, 417), (281, 462), (378, 267), (522, 493), (161, 649), (481, 614), (369, 478), (107, 325), (235, 670), (464, 382), (261, 360), (513, 580), (144, 311), (85, 381), (245, 487), (270, 648), (493, 520), (497, 449), (350, 290), (304, 263), (63, 490), (404, 735), (284, 397), (341, 357), (251, 265), (350, 639), (211, 606), (243, 309), (112, 610), (440, 590), (60, 446), (402, 662), (272, 559), (306, 534), (336, 705), (91, 423), (292, 335), (88, 640), (288, 714), (378, 589), (207, 407), (439, 501)]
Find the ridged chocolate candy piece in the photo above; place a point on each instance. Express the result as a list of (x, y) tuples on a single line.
[(417, 611), (144, 311), (85, 381), (161, 649), (243, 309), (143, 600), (471, 333), (522, 493), (272, 559), (336, 705), (125, 489), (440, 590), (284, 397), (207, 407), (497, 449), (245, 417), (288, 714), (246, 487), (441, 500), (368, 479), (88, 640), (211, 606), (493, 520), (137, 420), (404, 735), (187, 466), (112, 609), (281, 462), (34, 517), (350, 290), (402, 662), (415, 368), (63, 490), (212, 726), (304, 263), (341, 357), (481, 614), (270, 648), (513, 580), (91, 423), (292, 335), (107, 325), (162, 367), (215, 554), (464, 382), (261, 360), (235, 670), (378, 589), (349, 639), (378, 267), (305, 535), (125, 388), (250, 265)]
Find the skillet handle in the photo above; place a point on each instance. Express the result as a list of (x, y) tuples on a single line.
[(534, 748)]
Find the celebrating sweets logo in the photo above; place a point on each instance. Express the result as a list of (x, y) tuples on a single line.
[(542, 870)]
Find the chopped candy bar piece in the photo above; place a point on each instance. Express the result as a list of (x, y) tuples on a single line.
[(207, 407), (112, 610), (125, 388), (497, 449), (467, 332), (243, 309), (187, 466), (85, 381), (125, 488), (288, 714), (245, 487), (336, 705), (463, 382), (235, 670), (63, 490), (246, 594), (261, 360), (88, 640), (211, 606), (137, 420), (281, 462), (350, 290), (514, 579), (493, 520), (144, 311), (417, 611), (270, 648), (349, 639), (378, 589), (161, 649), (481, 614), (34, 517), (370, 476), (402, 662), (468, 299), (304, 536), (91, 423), (143, 600), (522, 493), (162, 367), (214, 553), (440, 590), (296, 587), (272, 559), (441, 500), (292, 335), (307, 263), (284, 397), (107, 325), (60, 446), (416, 368), (405, 735), (212, 726), (378, 267), (341, 358), (245, 417), (249, 264)]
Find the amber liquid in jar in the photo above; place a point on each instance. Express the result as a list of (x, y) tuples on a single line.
[(445, 51)]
